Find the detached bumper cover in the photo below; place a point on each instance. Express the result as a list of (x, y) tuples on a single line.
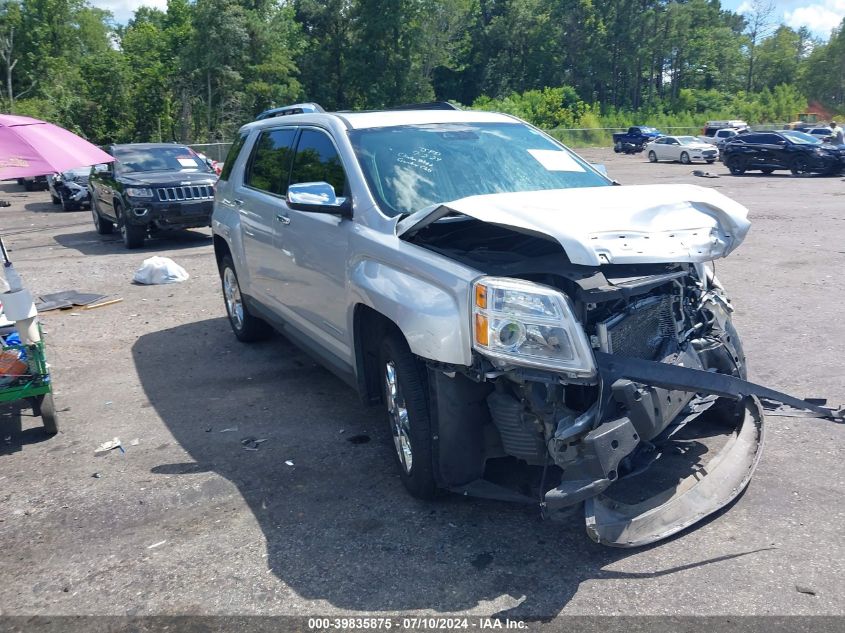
[(700, 494)]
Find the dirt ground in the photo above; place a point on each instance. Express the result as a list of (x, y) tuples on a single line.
[(316, 522)]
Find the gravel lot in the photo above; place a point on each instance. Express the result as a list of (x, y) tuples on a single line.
[(243, 532)]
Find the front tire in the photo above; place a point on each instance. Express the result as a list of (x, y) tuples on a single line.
[(102, 226), (246, 327), (405, 394), (67, 205), (652, 157), (685, 158), (735, 165), (132, 234), (55, 199), (800, 166)]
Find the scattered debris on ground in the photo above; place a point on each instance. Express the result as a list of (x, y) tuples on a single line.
[(159, 270), (105, 447), (252, 443), (67, 299)]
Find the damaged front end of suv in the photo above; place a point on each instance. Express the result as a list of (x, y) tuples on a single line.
[(605, 359)]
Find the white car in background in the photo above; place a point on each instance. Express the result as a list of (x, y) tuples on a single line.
[(684, 149), (821, 133)]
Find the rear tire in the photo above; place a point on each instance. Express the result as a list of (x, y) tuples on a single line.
[(652, 157), (247, 328), (685, 158), (405, 396)]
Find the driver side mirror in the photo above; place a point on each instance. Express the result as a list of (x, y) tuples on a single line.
[(318, 197)]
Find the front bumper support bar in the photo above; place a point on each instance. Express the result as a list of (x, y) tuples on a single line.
[(613, 368)]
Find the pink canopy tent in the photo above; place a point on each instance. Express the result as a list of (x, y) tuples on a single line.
[(29, 147)]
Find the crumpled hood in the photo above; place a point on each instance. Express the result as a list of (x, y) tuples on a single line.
[(613, 224)]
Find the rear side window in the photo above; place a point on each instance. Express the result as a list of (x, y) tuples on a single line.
[(269, 164), (232, 155), (317, 160)]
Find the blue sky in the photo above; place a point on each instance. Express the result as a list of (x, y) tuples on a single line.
[(820, 16)]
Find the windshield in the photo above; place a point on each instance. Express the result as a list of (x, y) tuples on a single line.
[(801, 138), (176, 158), (687, 140), (410, 167)]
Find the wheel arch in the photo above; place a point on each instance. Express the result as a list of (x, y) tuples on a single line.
[(369, 326)]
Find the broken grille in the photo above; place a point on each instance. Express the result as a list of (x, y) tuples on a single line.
[(641, 331), (198, 192)]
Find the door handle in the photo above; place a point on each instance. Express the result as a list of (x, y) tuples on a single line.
[(283, 218)]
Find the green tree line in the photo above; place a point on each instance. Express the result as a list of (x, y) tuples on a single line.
[(200, 69)]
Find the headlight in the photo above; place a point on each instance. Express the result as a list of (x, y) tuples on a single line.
[(523, 323), (139, 192)]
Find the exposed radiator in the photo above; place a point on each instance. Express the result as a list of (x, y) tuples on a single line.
[(641, 331)]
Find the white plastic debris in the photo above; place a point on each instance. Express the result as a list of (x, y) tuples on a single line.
[(289, 462), (160, 270), (154, 545), (105, 447)]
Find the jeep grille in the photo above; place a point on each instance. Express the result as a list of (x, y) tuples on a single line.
[(171, 194)]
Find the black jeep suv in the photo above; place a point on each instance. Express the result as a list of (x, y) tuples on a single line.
[(768, 151), (151, 187)]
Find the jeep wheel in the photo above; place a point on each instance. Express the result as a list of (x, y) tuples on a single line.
[(652, 157), (735, 165), (246, 327), (685, 158), (404, 390), (101, 225), (132, 234), (800, 166)]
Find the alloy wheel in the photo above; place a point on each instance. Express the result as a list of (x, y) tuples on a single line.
[(232, 295), (399, 421)]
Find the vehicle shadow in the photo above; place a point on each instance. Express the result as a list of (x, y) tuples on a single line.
[(90, 243), (338, 525)]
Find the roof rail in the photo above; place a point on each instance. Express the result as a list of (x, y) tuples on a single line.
[(430, 105), (297, 108)]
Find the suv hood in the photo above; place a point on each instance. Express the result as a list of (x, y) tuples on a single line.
[(168, 178), (613, 224)]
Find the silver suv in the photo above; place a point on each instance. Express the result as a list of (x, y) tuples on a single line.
[(535, 332)]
